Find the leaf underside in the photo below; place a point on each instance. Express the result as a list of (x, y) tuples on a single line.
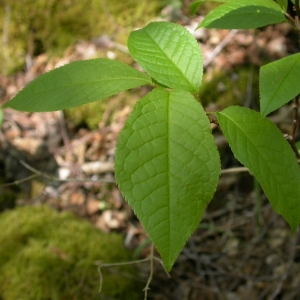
[(279, 83), (167, 167), (77, 83), (258, 144), (244, 15), (169, 53)]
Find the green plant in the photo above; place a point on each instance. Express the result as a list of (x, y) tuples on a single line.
[(49, 255), (167, 165)]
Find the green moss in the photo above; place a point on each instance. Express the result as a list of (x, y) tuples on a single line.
[(229, 88), (52, 25), (49, 255)]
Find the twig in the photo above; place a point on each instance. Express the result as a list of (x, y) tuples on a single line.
[(296, 7), (17, 182), (290, 19), (151, 258), (220, 47), (291, 136), (295, 118), (235, 170), (53, 178), (38, 173), (146, 289)]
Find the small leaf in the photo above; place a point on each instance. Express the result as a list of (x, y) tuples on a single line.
[(258, 144), (77, 83), (169, 53), (279, 83), (244, 15), (167, 167)]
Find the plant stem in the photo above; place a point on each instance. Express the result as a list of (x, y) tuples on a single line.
[(297, 8), (291, 137), (295, 118), (151, 272)]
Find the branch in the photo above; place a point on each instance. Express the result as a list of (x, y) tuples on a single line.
[(291, 136), (38, 173), (151, 258), (220, 47), (235, 170), (296, 8), (151, 272)]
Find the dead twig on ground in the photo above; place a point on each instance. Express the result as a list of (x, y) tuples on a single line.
[(51, 177), (151, 259), (219, 48)]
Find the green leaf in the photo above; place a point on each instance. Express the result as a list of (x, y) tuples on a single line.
[(77, 83), (258, 144), (169, 53), (279, 83), (167, 167), (283, 4), (244, 15)]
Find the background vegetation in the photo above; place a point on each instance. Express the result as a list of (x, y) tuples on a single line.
[(34, 27)]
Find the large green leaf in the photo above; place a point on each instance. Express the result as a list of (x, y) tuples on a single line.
[(258, 144), (169, 53), (244, 14), (77, 83), (279, 82), (167, 167)]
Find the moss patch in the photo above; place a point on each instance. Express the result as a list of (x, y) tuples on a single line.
[(52, 25), (48, 255)]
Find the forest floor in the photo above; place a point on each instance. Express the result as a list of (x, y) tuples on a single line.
[(241, 249)]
